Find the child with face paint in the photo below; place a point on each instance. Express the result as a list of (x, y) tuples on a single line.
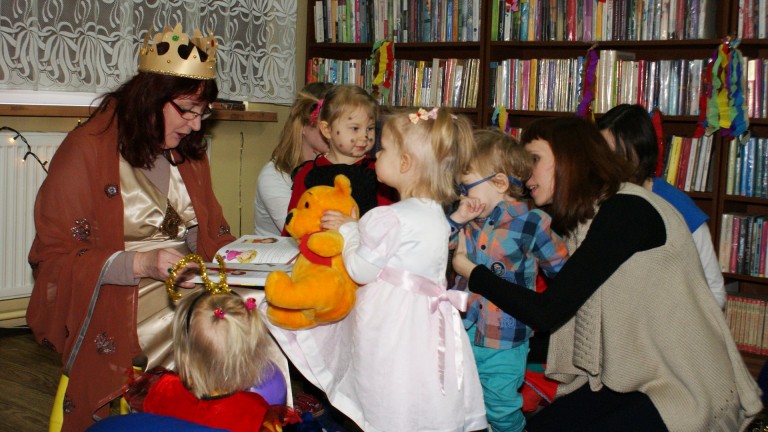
[(347, 121)]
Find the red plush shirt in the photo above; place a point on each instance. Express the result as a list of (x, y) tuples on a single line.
[(239, 412)]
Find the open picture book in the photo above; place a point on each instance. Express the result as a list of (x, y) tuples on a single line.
[(249, 259)]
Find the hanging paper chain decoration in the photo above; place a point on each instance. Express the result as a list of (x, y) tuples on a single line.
[(495, 117), (722, 105), (739, 118), (500, 118), (706, 93), (588, 89), (720, 115), (504, 120), (383, 56)]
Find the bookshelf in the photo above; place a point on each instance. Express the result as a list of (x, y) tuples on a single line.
[(459, 49), (747, 26), (723, 18)]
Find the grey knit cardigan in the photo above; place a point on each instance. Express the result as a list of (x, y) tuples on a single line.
[(654, 327)]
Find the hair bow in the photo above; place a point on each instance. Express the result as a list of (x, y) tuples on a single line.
[(423, 114), (316, 113)]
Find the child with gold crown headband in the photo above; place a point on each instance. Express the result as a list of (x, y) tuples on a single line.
[(221, 349), (401, 360), (128, 194)]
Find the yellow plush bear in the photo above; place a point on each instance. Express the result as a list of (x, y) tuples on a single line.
[(319, 290)]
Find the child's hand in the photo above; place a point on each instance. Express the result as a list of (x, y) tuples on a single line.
[(469, 209), (461, 263), (332, 219)]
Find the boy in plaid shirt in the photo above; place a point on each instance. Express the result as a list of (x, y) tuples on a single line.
[(502, 234)]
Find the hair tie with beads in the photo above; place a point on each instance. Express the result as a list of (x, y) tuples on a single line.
[(250, 304)]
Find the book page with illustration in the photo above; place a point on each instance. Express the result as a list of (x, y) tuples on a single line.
[(249, 259)]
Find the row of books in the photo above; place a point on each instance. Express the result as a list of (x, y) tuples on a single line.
[(747, 173), (752, 18), (354, 71), (674, 86), (437, 82), (757, 88), (743, 244), (688, 163), (367, 21), (604, 20), (537, 84), (442, 82), (746, 317)]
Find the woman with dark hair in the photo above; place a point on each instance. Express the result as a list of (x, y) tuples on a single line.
[(635, 344), (630, 132), (128, 194)]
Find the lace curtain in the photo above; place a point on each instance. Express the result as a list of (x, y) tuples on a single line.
[(92, 45)]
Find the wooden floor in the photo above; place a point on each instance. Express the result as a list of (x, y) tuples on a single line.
[(29, 375)]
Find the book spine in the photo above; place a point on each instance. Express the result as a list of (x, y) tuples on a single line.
[(763, 247), (757, 188), (764, 342), (743, 250), (757, 229), (764, 181), (682, 168), (533, 89), (724, 255), (664, 20), (674, 159), (731, 170), (691, 164)]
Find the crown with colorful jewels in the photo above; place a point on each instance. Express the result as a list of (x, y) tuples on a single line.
[(171, 63)]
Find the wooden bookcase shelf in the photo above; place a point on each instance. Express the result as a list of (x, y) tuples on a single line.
[(713, 203), (85, 112)]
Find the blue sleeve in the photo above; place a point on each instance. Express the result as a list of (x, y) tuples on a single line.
[(691, 213)]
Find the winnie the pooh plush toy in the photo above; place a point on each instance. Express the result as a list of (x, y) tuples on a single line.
[(319, 290)]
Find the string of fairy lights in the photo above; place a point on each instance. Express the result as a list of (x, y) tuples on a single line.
[(19, 137)]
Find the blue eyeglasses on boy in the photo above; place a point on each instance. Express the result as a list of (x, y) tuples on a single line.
[(463, 189)]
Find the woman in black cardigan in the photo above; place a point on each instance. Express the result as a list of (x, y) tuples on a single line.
[(624, 356)]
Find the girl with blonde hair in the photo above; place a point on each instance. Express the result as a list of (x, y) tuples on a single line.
[(300, 141), (400, 361), (221, 349)]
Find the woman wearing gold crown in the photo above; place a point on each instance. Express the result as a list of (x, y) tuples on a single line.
[(128, 194)]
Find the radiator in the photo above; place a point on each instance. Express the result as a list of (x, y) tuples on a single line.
[(19, 181)]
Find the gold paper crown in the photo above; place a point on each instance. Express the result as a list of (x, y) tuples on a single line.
[(171, 62), (212, 288)]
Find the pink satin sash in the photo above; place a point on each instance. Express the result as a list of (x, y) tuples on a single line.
[(441, 302)]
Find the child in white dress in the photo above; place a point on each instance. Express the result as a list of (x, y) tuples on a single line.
[(401, 361)]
